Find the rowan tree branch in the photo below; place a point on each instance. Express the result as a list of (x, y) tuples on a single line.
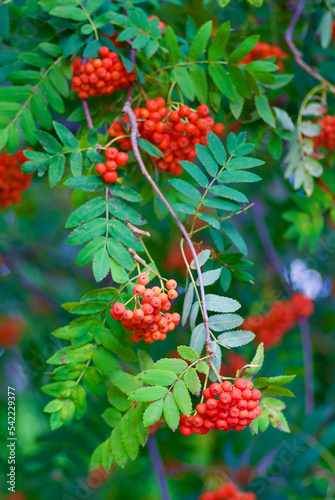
[(134, 134), (158, 467), (298, 55)]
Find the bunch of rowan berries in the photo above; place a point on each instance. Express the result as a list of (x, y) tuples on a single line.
[(264, 51), (283, 316), (236, 407), (150, 320), (115, 159), (229, 491), (326, 137), (11, 331), (100, 76), (12, 180), (175, 134)]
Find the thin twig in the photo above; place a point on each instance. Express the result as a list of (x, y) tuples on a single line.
[(136, 230), (278, 266), (133, 137), (139, 259), (298, 54), (87, 115), (158, 468)]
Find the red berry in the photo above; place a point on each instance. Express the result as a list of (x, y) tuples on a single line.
[(227, 386), (100, 168), (110, 176), (207, 393), (171, 284), (236, 394), (256, 394), (111, 153), (215, 389), (212, 403), (118, 308), (246, 394), (104, 51), (240, 383), (203, 110), (122, 159), (143, 279), (201, 408), (185, 431)]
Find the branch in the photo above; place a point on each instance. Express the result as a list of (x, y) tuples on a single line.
[(139, 259), (158, 468), (87, 115), (133, 137), (136, 230), (298, 54), (278, 266)]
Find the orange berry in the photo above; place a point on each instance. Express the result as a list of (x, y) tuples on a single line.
[(139, 290), (171, 284), (143, 279)]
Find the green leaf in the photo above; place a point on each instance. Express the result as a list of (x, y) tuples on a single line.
[(86, 254), (174, 365), (274, 390), (126, 382), (141, 431), (140, 41), (94, 381), (264, 110), (202, 367), (111, 416), (222, 80), (235, 236), (207, 159), (127, 34), (217, 148), (67, 138), (14, 93), (125, 193), (148, 393), (236, 176), (185, 209), (52, 96), (153, 413), (76, 163), (218, 303), (86, 212), (87, 231), (3, 138), (118, 448), (78, 396), (41, 111), (122, 211), (49, 143), (187, 353), (119, 275), (68, 411), (219, 44), (106, 363), (145, 361), (278, 421), (243, 163), (200, 41), (221, 322), (120, 254), (188, 301), (243, 49), (230, 193), (325, 29), (236, 106), (157, 377), (101, 264), (171, 412), (216, 359), (54, 405), (199, 80), (210, 219), (171, 45), (242, 83), (192, 381), (118, 399), (182, 397), (51, 49), (185, 82), (186, 189), (280, 380), (236, 338), (59, 81), (195, 172), (90, 183), (28, 126), (73, 13), (57, 389), (198, 338), (257, 361), (56, 170)]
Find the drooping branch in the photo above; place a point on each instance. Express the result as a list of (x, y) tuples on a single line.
[(134, 134), (298, 56), (87, 115), (277, 264)]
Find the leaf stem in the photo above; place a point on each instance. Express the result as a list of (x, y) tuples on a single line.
[(91, 22)]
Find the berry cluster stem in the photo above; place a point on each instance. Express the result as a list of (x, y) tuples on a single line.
[(127, 109)]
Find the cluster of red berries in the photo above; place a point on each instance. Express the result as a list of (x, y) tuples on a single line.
[(229, 491), (282, 317), (12, 180), (236, 407), (114, 159), (99, 76), (326, 137), (150, 320), (234, 362), (264, 51), (175, 134)]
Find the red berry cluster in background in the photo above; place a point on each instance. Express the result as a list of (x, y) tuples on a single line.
[(175, 134), (161, 24), (11, 331), (236, 407), (264, 51), (282, 317), (12, 180), (100, 76), (108, 169), (229, 491), (150, 320), (234, 362), (326, 137)]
